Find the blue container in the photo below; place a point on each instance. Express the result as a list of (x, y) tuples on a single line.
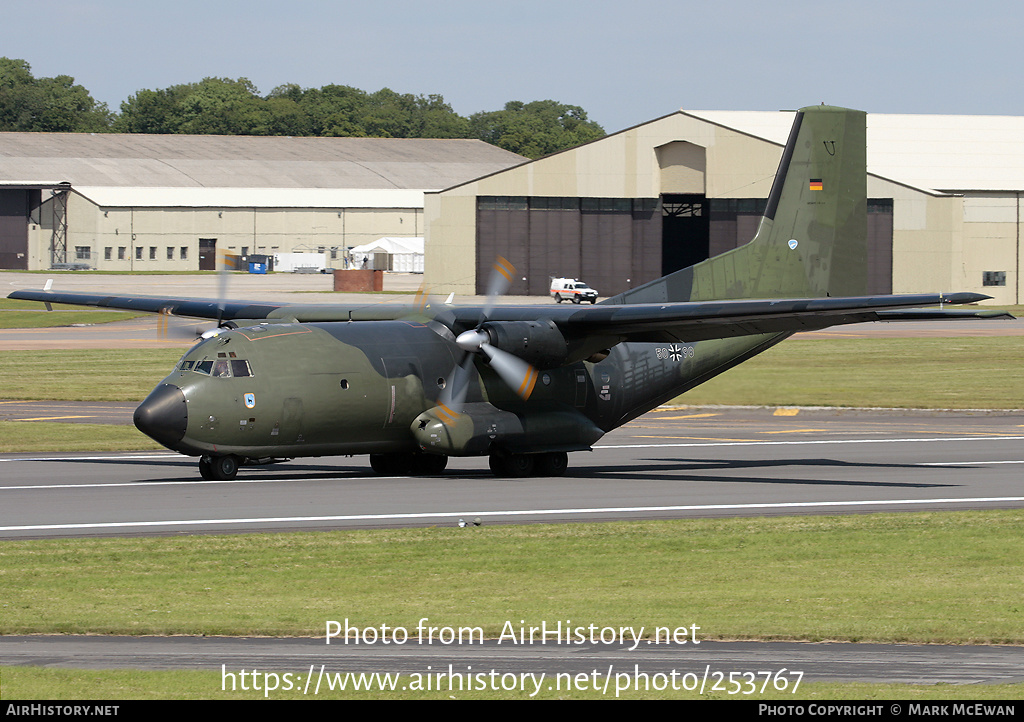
[(257, 267)]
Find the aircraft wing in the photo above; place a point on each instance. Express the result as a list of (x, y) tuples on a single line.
[(191, 307), (696, 321), (660, 322)]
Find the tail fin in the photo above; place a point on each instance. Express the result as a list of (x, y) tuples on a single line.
[(812, 240)]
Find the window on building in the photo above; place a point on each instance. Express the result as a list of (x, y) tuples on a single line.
[(138, 253), (993, 278), (152, 253), (121, 253), (184, 253), (170, 253), (108, 253), (83, 253)]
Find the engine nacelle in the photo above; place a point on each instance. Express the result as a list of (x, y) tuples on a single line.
[(539, 343), (479, 428)]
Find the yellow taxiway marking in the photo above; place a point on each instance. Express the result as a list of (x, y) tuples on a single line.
[(688, 416), (795, 431), (692, 438), (56, 418), (786, 412)]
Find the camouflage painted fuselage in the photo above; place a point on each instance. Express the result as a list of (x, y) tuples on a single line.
[(352, 388)]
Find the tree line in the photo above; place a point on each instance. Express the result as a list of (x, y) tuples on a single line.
[(223, 106)]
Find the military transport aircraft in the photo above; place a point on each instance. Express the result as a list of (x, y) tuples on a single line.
[(523, 385)]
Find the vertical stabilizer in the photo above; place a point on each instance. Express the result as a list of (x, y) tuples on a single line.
[(812, 239)]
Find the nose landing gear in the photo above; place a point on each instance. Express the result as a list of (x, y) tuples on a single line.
[(219, 468)]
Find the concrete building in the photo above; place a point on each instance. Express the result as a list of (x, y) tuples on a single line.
[(173, 202), (944, 209)]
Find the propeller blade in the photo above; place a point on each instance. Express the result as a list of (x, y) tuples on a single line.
[(520, 376), (222, 283), (454, 394), (178, 328), (502, 273)]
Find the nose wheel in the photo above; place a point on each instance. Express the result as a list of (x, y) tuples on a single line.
[(219, 468)]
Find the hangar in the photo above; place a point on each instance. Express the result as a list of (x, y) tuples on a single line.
[(944, 209), (172, 202)]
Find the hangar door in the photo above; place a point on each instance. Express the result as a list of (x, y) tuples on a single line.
[(611, 243), (15, 210)]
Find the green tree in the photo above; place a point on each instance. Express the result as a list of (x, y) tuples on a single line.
[(213, 106), (47, 104), (152, 111), (535, 129)]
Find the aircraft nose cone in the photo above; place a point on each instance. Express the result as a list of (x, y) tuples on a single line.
[(163, 416)]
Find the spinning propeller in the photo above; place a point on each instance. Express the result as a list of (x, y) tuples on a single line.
[(517, 374), (172, 327)]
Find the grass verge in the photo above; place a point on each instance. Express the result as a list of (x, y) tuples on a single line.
[(84, 374), (38, 436), (939, 373), (31, 314), (932, 577)]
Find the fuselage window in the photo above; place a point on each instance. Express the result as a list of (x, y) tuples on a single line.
[(204, 367), (221, 369)]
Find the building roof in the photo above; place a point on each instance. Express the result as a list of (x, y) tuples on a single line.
[(134, 161), (946, 153)]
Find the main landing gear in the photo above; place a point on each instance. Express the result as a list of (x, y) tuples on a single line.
[(408, 464), (517, 466)]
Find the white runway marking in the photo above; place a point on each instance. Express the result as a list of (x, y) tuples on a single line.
[(452, 515)]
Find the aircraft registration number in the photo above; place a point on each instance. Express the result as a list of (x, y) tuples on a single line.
[(674, 352)]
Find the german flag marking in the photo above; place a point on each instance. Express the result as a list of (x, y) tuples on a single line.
[(817, 184)]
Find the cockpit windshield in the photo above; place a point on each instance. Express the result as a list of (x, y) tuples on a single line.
[(225, 366)]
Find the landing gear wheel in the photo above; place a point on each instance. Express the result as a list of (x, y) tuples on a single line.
[(386, 464), (219, 468), (430, 464), (408, 464), (553, 463), (515, 466)]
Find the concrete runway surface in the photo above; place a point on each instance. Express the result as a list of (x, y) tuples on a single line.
[(671, 463)]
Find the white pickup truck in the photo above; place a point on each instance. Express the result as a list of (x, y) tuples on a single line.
[(572, 289)]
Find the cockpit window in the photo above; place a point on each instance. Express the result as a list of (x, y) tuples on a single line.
[(220, 368), (240, 367)]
